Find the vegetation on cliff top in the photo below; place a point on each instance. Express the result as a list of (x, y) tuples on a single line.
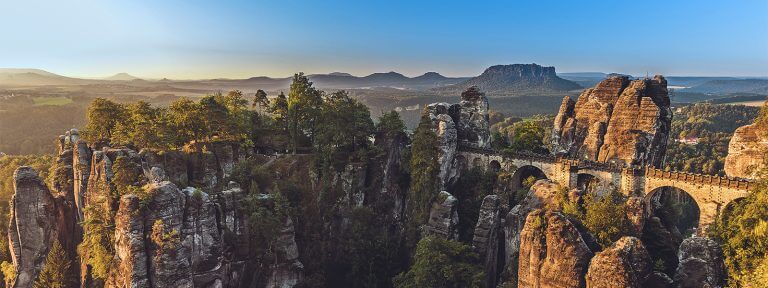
[(742, 230)]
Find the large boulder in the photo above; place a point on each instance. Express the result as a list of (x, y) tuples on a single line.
[(552, 252), (746, 151), (701, 264), (443, 217), (32, 228), (617, 120), (625, 264)]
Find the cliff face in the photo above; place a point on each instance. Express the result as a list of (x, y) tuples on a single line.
[(32, 230), (746, 151), (617, 120)]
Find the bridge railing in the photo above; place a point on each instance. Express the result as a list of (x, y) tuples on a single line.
[(730, 182), (548, 158)]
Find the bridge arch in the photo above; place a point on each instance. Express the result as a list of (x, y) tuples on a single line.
[(675, 207), (494, 166), (729, 208), (587, 181), (522, 174)]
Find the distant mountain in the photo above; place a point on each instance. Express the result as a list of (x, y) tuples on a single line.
[(35, 77), (26, 70), (339, 74), (385, 78), (431, 76), (122, 77), (582, 74), (516, 79), (725, 86)]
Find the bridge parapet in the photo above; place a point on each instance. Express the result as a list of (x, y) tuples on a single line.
[(528, 156), (728, 182)]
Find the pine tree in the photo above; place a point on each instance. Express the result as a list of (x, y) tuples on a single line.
[(425, 171), (55, 270)]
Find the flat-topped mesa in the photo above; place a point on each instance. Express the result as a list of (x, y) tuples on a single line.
[(619, 120)]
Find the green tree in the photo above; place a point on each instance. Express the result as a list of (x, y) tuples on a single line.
[(186, 120), (527, 136), (102, 117), (304, 109), (344, 123), (390, 124), (145, 127), (56, 271), (425, 169), (605, 217), (239, 115), (442, 263), (215, 115), (260, 100), (279, 110)]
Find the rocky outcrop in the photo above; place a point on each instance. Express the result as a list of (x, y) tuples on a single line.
[(552, 252), (473, 126), (169, 264), (617, 120), (661, 244), (81, 165), (32, 228), (130, 245), (387, 175), (486, 238), (746, 151), (443, 217), (701, 264), (465, 124), (202, 239), (637, 214), (625, 264), (287, 271), (543, 193), (443, 117)]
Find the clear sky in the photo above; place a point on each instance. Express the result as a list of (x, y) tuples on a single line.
[(209, 39)]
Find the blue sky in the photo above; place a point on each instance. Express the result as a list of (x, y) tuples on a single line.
[(207, 39)]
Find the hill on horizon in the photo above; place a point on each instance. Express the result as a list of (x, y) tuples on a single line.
[(516, 79)]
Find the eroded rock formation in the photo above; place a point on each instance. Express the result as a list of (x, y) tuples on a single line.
[(32, 228), (617, 120), (552, 252), (465, 124), (746, 151), (701, 264), (486, 239), (625, 264), (443, 217)]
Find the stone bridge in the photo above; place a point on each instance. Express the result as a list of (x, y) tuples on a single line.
[(712, 194)]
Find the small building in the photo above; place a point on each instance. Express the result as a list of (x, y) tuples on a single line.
[(688, 140)]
